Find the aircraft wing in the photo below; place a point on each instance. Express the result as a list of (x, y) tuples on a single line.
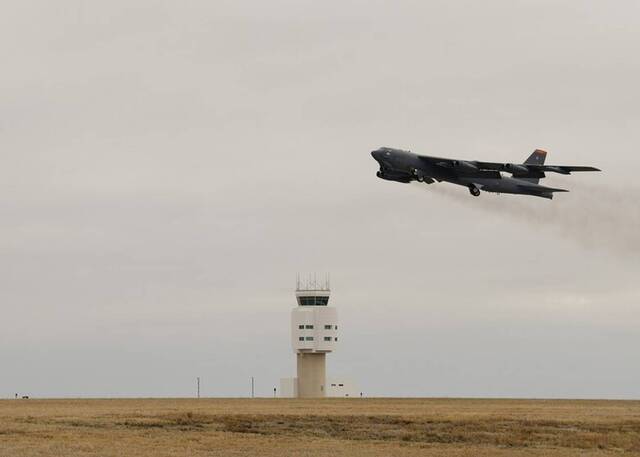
[(491, 166), (523, 169), (538, 188), (562, 169), (463, 167), (490, 169)]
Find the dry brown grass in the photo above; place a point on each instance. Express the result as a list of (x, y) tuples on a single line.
[(355, 427)]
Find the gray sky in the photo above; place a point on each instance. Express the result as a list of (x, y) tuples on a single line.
[(168, 167)]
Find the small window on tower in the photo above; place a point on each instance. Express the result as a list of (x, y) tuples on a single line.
[(309, 327), (309, 338), (301, 327), (336, 338), (301, 338), (327, 327), (336, 327), (327, 338)]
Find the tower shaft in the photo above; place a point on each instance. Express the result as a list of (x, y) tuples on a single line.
[(311, 369)]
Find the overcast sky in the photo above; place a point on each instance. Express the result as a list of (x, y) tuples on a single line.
[(168, 167)]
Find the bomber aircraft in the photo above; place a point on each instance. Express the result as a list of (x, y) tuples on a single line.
[(405, 166)]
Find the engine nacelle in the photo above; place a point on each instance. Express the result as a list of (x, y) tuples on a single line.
[(463, 165), (393, 177), (516, 169)]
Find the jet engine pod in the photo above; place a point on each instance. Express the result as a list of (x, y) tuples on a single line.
[(516, 169), (394, 177)]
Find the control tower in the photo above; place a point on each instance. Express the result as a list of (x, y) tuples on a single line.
[(314, 333)]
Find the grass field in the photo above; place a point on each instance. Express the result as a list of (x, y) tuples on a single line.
[(329, 427)]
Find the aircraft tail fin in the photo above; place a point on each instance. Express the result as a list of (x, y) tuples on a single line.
[(537, 158)]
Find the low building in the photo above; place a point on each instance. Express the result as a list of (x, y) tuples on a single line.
[(340, 387)]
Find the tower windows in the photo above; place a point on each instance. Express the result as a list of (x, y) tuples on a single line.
[(301, 338), (327, 327), (309, 327), (313, 301), (301, 327), (327, 338), (309, 338)]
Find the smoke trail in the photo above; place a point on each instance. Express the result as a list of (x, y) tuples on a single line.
[(596, 217)]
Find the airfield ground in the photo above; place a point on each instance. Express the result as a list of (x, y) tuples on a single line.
[(330, 427)]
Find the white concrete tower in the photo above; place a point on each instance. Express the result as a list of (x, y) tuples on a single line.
[(314, 333)]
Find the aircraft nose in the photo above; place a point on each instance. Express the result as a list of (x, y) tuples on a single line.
[(375, 154)]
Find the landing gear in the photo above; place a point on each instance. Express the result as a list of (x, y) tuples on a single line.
[(474, 190), (419, 176)]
